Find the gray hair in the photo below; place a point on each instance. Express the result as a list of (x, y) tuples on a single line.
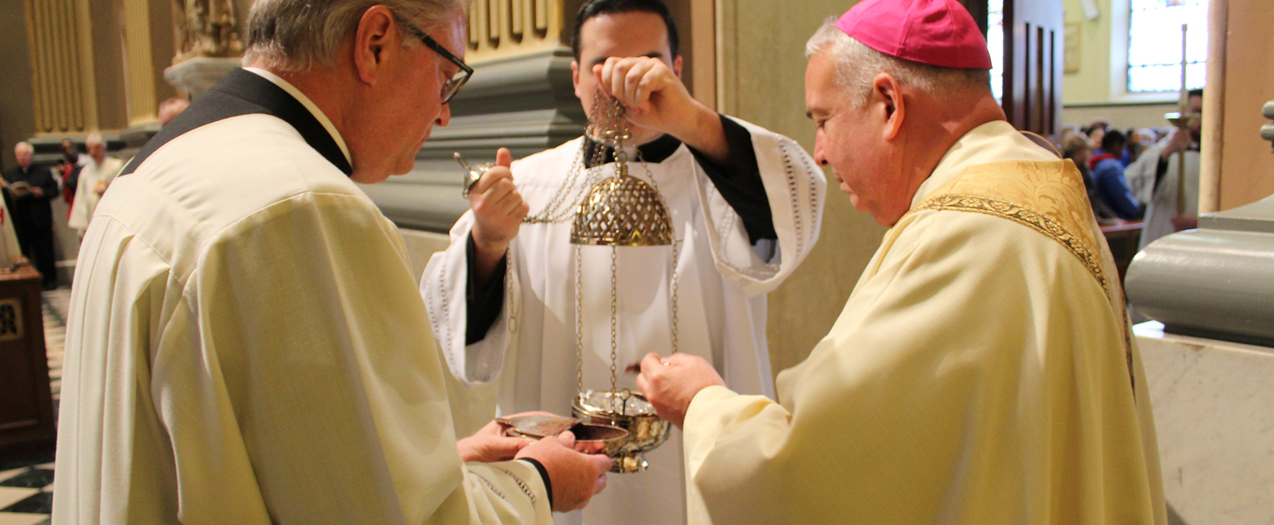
[(24, 145), (294, 35), (95, 138), (857, 66)]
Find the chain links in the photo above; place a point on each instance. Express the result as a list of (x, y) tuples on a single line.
[(608, 126), (511, 306), (579, 321), (676, 249), (557, 210), (614, 315)]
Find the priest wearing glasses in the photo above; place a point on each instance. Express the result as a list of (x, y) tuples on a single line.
[(244, 343)]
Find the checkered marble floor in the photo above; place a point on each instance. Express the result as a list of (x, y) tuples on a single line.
[(26, 485)]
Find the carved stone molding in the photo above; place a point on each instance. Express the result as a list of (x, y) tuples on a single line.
[(206, 28), (1215, 281), (505, 28)]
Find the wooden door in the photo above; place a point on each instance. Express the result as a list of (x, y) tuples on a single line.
[(1034, 33)]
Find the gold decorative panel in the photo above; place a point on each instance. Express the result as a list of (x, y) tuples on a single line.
[(139, 73), (61, 59), (504, 28)]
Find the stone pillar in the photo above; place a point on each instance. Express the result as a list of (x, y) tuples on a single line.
[(65, 96), (139, 75)]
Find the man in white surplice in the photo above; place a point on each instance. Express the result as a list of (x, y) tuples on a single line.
[(242, 344), (746, 205), (1155, 173), (95, 177)]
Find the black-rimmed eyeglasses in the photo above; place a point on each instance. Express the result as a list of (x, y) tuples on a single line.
[(452, 85)]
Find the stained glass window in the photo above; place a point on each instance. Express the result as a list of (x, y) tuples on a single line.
[(1154, 44)]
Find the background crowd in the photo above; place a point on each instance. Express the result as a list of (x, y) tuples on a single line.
[(1112, 162)]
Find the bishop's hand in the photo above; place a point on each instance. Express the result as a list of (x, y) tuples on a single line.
[(670, 383), (498, 210)]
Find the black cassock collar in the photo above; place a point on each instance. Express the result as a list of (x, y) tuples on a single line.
[(245, 93), (655, 151)]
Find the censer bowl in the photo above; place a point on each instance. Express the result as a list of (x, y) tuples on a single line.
[(590, 438), (628, 411)]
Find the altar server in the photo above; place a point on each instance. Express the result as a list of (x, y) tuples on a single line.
[(746, 206)]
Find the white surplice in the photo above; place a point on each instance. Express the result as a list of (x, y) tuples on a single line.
[(982, 372), (527, 360), (1161, 199), (86, 197), (244, 347)]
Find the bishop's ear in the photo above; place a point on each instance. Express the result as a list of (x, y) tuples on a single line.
[(887, 96)]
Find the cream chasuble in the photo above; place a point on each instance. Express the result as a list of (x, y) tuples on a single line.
[(528, 359), (982, 372), (243, 347), (86, 198)]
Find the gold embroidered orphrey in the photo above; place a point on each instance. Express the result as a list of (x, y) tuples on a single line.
[(1046, 197)]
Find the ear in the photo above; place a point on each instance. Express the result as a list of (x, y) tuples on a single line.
[(373, 40), (676, 66), (888, 94), (575, 78)]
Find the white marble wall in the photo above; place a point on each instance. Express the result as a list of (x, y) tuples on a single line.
[(1214, 412)]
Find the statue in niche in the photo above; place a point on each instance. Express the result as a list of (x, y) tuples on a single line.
[(206, 28)]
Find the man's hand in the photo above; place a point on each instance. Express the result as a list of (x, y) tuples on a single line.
[(575, 477), (672, 382), (491, 444), (652, 93), (1179, 140), (655, 98), (498, 210), (37, 191), (1184, 222)]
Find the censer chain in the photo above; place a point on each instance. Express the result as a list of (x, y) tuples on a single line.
[(579, 322)]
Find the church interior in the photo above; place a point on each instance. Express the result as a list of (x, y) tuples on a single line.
[(1064, 69)]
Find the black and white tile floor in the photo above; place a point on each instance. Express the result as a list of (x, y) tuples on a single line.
[(26, 485)]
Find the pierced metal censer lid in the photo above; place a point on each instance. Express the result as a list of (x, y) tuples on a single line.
[(621, 210)]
